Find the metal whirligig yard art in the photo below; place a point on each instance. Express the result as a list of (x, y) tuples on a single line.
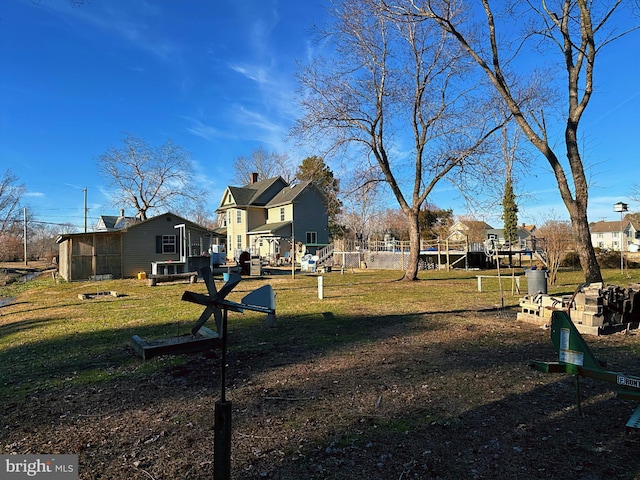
[(216, 305)]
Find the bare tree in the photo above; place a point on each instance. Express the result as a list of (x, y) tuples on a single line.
[(557, 238), (577, 30), (11, 193), (42, 240), (476, 230), (635, 193), (482, 184), (147, 178), (391, 78), (361, 202), (393, 222), (265, 164)]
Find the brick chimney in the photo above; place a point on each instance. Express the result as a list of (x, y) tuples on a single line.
[(253, 177)]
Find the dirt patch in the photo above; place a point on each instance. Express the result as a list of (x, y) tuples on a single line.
[(428, 397)]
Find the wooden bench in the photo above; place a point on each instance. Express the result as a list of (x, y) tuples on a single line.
[(152, 280)]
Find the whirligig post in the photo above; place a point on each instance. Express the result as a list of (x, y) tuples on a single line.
[(260, 300)]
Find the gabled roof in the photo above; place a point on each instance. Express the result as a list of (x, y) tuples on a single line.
[(634, 219), (113, 222), (123, 230), (288, 194), (521, 232), (479, 224), (607, 227), (253, 194), (269, 228), (178, 219)]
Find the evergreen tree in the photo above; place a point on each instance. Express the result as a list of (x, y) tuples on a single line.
[(509, 212), (434, 222)]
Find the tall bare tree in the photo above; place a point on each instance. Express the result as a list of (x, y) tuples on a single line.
[(11, 192), (390, 78), (148, 178), (577, 30), (265, 164)]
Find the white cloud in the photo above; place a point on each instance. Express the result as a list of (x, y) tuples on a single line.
[(258, 74), (129, 25), (34, 194), (208, 132)]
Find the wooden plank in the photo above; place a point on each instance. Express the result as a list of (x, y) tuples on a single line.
[(170, 277), (175, 346)]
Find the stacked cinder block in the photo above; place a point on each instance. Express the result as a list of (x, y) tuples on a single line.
[(588, 307), (594, 307), (541, 305)]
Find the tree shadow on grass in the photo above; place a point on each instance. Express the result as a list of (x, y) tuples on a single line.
[(319, 396)]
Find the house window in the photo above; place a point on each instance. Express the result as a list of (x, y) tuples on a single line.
[(614, 234), (238, 216), (166, 244), (312, 237), (599, 235), (239, 242), (282, 214)]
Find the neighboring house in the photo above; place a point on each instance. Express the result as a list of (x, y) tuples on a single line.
[(477, 232), (633, 234), (614, 235), (264, 216), (525, 239), (473, 230), (112, 222), (166, 243)]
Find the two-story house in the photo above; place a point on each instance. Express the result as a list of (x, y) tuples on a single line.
[(265, 216), (613, 235)]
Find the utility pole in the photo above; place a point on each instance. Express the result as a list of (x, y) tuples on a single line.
[(85, 209), (621, 207), (26, 261)]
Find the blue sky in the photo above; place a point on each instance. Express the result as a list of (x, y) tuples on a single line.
[(218, 78)]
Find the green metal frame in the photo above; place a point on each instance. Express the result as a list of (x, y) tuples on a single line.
[(575, 357)]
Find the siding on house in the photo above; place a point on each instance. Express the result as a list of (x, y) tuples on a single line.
[(611, 235), (129, 251), (140, 244), (307, 207), (281, 213)]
